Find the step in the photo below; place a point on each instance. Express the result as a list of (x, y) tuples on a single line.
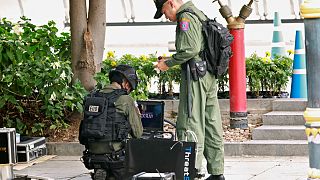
[(275, 132), (283, 118), (267, 148), (289, 104), (253, 147), (65, 148)]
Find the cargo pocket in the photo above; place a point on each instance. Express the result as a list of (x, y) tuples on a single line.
[(201, 67)]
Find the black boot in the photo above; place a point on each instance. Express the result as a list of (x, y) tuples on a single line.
[(216, 177), (100, 174)]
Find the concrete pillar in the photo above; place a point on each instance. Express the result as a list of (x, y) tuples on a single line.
[(310, 10)]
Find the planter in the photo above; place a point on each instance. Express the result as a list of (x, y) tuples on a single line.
[(267, 94), (225, 95)]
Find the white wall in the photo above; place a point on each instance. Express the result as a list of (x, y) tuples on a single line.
[(154, 39), (39, 11)]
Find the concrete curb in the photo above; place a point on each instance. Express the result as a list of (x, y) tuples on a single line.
[(250, 148), (267, 148), (255, 108), (253, 105), (65, 148), (26, 176)]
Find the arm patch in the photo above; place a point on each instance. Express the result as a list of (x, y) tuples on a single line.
[(184, 24)]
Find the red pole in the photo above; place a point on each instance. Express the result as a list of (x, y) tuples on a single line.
[(237, 81), (237, 66)]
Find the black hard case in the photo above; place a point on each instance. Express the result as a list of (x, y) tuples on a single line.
[(161, 155), (31, 148), (8, 150)]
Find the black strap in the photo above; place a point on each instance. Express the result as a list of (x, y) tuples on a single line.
[(110, 95), (189, 10), (119, 153)]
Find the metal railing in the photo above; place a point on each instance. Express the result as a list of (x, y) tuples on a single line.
[(261, 10)]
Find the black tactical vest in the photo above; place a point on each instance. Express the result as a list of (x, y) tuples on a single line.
[(101, 122)]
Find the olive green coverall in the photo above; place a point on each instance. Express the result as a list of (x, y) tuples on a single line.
[(205, 120)]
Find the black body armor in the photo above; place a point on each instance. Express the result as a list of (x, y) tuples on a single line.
[(101, 122)]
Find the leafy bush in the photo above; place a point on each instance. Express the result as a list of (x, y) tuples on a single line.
[(145, 70), (265, 74), (255, 71), (35, 74)]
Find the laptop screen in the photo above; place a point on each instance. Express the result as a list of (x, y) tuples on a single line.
[(152, 115)]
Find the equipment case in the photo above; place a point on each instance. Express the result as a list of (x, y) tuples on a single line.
[(161, 155), (8, 150), (31, 148)]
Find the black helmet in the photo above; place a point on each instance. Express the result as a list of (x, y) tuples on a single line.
[(128, 72)]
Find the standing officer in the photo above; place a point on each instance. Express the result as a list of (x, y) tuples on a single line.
[(112, 125), (205, 119)]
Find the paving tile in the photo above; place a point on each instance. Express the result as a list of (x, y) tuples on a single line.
[(236, 168)]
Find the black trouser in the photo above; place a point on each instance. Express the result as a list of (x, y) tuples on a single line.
[(112, 163), (116, 169)]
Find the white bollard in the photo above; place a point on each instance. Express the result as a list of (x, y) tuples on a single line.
[(6, 172)]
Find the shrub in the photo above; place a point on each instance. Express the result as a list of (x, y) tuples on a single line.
[(265, 74), (35, 74), (145, 70)]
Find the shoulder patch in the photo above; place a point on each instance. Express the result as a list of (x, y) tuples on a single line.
[(184, 24)]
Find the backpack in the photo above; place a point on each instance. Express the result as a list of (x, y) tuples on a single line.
[(101, 122), (217, 50)]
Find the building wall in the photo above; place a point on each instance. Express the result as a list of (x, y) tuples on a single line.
[(144, 40)]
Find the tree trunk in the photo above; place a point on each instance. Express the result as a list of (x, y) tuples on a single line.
[(87, 39), (97, 27)]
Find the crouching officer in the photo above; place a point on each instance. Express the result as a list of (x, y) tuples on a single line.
[(110, 117)]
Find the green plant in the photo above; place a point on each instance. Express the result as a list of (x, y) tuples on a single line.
[(223, 82), (281, 72), (266, 74), (167, 78), (255, 71), (143, 66), (35, 76)]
